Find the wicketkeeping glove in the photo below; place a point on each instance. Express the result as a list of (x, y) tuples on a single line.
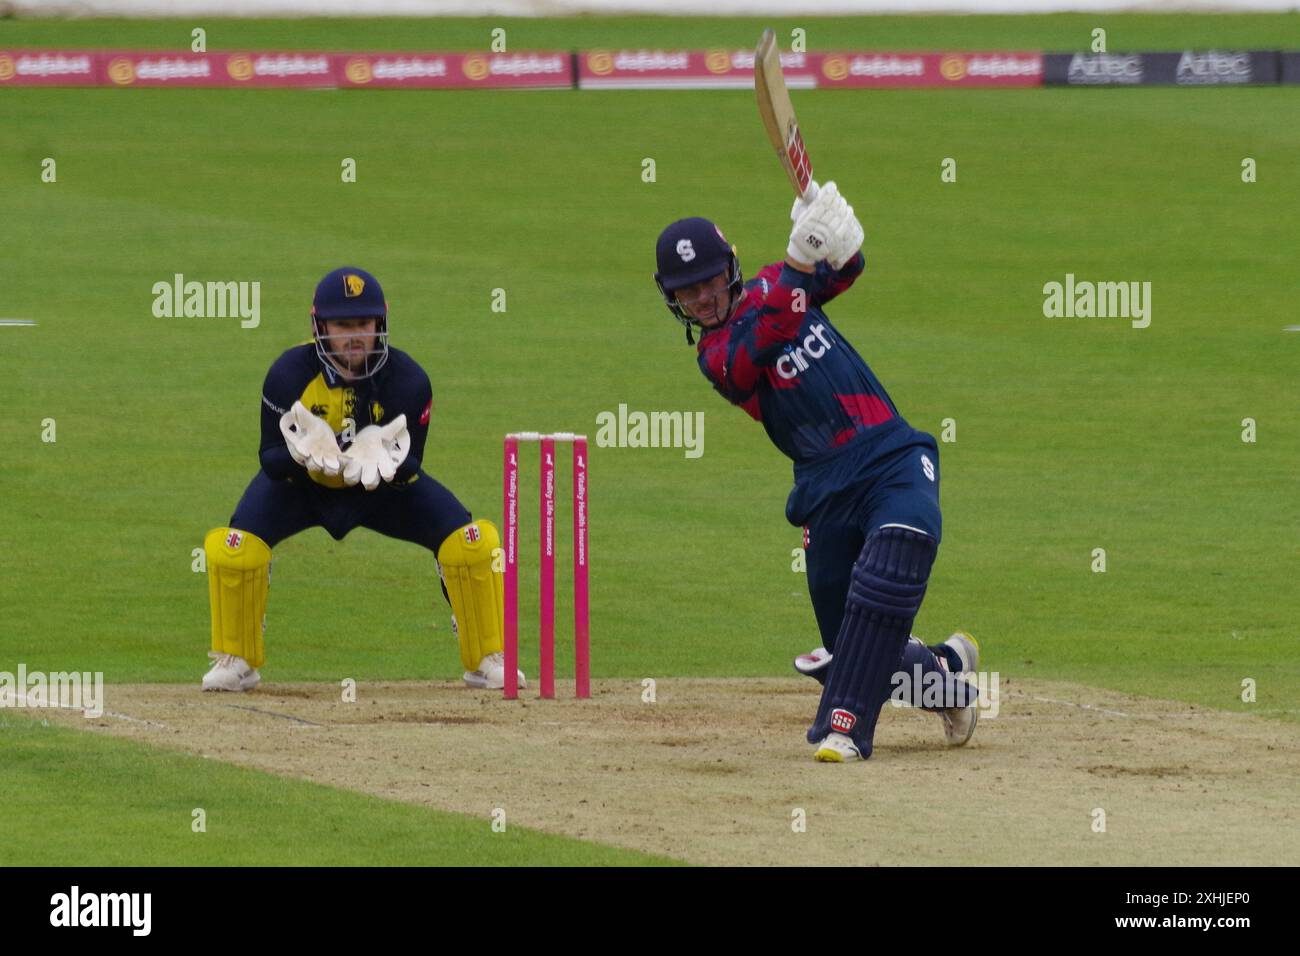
[(377, 453), (311, 441)]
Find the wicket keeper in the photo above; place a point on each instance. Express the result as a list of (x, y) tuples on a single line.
[(344, 423), (866, 483)]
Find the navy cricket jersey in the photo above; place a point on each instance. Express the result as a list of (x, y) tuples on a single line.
[(791, 370), (401, 387)]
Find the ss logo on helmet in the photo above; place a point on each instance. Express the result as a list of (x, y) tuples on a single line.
[(685, 250)]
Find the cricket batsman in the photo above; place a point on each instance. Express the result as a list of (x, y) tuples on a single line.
[(866, 483), (344, 423)]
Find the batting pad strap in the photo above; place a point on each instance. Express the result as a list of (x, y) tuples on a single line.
[(239, 576), (476, 590)]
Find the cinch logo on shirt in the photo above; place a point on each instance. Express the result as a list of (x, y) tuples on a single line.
[(792, 363)]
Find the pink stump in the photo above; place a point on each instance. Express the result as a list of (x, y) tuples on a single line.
[(581, 636), (546, 604), (510, 504)]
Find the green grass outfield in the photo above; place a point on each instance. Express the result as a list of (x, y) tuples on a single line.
[(1072, 434), (78, 800)]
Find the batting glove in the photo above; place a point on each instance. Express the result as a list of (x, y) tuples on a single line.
[(377, 453), (847, 240), (814, 231), (311, 441), (803, 202)]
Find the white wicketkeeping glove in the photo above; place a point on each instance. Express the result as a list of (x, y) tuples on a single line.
[(827, 229), (311, 441), (377, 453)]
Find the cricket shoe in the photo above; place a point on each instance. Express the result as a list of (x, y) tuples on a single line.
[(814, 664), (491, 673), (959, 722), (230, 673), (967, 648), (837, 748)]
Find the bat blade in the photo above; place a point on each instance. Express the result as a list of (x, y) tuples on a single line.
[(777, 111)]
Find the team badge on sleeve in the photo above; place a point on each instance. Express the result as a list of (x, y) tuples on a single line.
[(424, 415)]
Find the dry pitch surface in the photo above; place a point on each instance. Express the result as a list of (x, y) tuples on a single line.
[(717, 771)]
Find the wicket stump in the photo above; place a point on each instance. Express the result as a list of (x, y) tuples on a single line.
[(546, 570)]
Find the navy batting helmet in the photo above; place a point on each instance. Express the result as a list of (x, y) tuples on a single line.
[(689, 251), (350, 293)]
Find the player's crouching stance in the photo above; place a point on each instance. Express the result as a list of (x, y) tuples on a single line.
[(349, 385), (866, 484)]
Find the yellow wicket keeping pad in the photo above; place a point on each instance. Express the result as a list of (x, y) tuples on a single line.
[(476, 591), (239, 575)]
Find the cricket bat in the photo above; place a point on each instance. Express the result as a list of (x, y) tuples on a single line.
[(778, 114)]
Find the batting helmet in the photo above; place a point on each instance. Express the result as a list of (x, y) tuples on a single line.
[(689, 251)]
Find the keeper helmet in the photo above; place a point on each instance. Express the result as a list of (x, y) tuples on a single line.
[(350, 293)]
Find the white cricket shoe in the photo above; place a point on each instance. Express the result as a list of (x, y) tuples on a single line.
[(959, 722), (230, 673), (967, 648), (814, 663), (491, 673), (837, 748)]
